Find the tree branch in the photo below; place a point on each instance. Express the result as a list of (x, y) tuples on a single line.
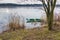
[(54, 3)]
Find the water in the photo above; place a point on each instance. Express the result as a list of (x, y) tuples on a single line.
[(24, 13)]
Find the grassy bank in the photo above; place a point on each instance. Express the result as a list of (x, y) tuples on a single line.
[(31, 34)]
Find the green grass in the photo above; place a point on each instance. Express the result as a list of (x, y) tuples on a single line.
[(31, 34)]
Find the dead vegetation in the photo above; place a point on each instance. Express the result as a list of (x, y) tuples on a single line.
[(14, 22), (31, 34)]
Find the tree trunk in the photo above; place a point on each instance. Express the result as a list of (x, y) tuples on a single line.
[(50, 21)]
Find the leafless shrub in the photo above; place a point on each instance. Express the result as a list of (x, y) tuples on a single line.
[(14, 22)]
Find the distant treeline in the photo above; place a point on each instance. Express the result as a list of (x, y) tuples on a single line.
[(22, 5)]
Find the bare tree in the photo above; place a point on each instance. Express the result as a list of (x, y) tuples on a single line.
[(49, 6)]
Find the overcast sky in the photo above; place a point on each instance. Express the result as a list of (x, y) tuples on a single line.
[(23, 2)]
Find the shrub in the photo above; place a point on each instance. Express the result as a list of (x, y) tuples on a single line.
[(14, 22)]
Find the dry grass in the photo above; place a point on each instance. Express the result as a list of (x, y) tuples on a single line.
[(31, 34), (14, 22)]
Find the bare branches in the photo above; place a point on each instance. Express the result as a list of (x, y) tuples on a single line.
[(54, 3), (44, 5), (48, 5)]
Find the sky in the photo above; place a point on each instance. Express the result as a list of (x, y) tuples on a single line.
[(24, 1)]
